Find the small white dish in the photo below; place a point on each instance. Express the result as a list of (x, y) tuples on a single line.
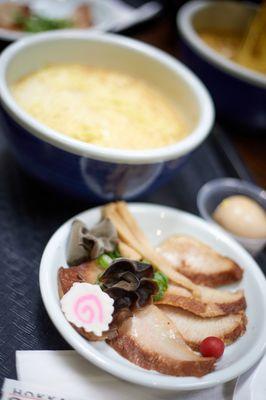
[(252, 384), (159, 222), (215, 191)]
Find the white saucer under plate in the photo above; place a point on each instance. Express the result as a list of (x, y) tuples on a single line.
[(107, 15), (159, 222), (252, 384)]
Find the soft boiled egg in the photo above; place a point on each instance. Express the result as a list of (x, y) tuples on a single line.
[(241, 216)]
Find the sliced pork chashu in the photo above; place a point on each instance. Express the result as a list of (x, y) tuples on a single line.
[(151, 340), (199, 262), (194, 329), (211, 303), (86, 272)]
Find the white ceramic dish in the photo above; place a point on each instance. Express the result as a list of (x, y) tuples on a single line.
[(252, 384), (107, 15), (213, 192), (159, 222)]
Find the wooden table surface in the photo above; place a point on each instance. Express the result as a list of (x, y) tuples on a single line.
[(251, 147)]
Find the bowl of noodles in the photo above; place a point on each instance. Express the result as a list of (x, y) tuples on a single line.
[(224, 42)]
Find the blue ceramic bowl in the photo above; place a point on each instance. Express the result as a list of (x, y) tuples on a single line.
[(86, 170), (239, 93)]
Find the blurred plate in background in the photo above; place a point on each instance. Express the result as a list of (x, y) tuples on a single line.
[(107, 15)]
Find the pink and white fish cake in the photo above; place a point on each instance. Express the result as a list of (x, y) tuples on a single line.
[(88, 307)]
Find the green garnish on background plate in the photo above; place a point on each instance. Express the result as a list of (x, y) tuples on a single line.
[(35, 23)]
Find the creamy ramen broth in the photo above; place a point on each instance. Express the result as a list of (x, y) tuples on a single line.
[(102, 107), (224, 42), (249, 52)]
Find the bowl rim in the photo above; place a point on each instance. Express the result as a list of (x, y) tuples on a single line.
[(211, 186), (185, 26), (202, 129)]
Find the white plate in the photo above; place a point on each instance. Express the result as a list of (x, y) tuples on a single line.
[(107, 15), (159, 222), (252, 384)]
